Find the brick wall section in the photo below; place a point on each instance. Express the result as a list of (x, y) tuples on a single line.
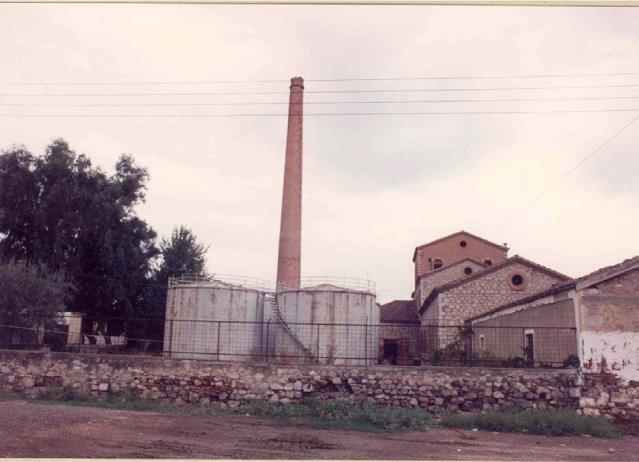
[(490, 291), (613, 305), (231, 384), (442, 276)]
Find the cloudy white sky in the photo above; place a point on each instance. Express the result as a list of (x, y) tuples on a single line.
[(374, 186)]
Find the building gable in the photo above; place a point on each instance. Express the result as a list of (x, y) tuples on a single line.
[(454, 248), (428, 282), (514, 279)]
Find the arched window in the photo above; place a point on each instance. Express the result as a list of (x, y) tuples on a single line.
[(488, 262), (437, 263)]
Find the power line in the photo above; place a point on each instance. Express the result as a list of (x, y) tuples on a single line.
[(267, 103), (328, 114), (395, 90), (479, 77), (571, 170), (353, 79)]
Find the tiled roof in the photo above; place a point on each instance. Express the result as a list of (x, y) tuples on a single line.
[(399, 311)]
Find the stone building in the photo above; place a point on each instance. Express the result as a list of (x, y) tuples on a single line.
[(457, 277), (481, 291), (594, 317), (450, 258)]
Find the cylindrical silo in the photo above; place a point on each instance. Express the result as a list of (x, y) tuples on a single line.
[(327, 324), (213, 320)]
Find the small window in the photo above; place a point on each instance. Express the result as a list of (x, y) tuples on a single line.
[(463, 244), (482, 344), (437, 263), (488, 262), (517, 280), (468, 270)]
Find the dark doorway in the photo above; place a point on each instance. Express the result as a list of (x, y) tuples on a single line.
[(529, 349), (389, 354)]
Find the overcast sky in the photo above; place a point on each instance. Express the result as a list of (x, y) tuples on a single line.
[(374, 186)]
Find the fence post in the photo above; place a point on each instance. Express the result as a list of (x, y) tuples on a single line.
[(366, 344), (317, 344), (169, 347), (471, 335), (219, 325), (268, 327)]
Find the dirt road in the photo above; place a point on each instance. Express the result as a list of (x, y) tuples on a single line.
[(43, 430)]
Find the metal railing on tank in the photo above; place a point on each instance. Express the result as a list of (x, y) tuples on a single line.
[(223, 280), (308, 283), (332, 283)]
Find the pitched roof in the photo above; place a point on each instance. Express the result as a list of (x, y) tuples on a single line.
[(452, 265), (599, 275), (608, 272), (399, 311), (502, 247), (512, 260)]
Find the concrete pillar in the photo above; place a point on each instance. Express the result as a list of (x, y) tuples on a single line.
[(290, 249)]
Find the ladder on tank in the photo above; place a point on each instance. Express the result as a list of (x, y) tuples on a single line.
[(275, 307)]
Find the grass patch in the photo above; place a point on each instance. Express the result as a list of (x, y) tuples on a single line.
[(124, 401), (340, 415), (561, 422)]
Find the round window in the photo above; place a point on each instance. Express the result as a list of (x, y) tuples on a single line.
[(468, 270), (517, 281), (463, 243)]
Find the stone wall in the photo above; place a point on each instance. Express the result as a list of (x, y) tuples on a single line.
[(443, 276), (435, 389)]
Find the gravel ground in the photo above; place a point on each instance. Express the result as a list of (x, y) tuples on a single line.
[(44, 430)]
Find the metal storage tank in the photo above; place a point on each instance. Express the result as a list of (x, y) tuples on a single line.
[(214, 319), (334, 322)]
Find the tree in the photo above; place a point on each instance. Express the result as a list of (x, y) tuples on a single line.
[(181, 254), (58, 211), (30, 299)]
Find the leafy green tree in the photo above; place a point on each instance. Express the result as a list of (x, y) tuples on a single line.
[(30, 299), (181, 254), (59, 211)]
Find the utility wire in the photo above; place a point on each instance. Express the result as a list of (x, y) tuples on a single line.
[(355, 79), (396, 90), (266, 103), (328, 114), (568, 172)]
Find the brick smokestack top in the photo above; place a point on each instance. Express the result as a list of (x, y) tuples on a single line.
[(290, 250)]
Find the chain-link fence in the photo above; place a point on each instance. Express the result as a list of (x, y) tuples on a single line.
[(270, 341)]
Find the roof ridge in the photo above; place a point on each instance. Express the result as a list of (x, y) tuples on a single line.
[(483, 265), (503, 247)]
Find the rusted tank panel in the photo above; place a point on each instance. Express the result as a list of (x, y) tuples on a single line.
[(335, 326), (213, 321)]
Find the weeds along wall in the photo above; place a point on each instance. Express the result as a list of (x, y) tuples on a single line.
[(435, 389), (213, 320)]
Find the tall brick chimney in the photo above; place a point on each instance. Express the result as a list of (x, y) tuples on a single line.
[(290, 250)]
